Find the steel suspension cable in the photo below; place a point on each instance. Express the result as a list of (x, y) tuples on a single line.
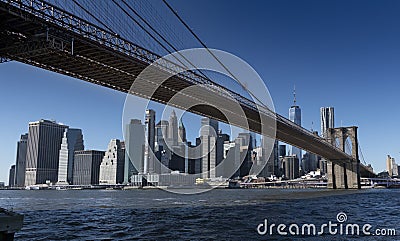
[(94, 17), (213, 55), (148, 32), (165, 40)]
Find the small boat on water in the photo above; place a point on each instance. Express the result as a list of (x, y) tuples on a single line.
[(10, 222)]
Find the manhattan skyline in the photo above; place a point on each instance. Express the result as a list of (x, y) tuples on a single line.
[(322, 58)]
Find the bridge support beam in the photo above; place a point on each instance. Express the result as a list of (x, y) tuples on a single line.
[(343, 175), (330, 172), (353, 175)]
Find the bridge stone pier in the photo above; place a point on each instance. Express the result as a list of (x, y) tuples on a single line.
[(344, 173)]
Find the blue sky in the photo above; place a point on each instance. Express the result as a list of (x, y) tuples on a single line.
[(344, 54)]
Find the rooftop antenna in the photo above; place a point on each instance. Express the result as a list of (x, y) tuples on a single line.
[(294, 95), (312, 126)]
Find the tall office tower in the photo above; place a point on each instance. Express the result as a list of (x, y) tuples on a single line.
[(11, 177), (72, 141), (253, 139), (191, 158), (295, 116), (162, 129), (179, 158), (209, 127), (282, 150), (42, 157), (123, 146), (281, 154), (244, 141), (274, 157), (232, 158), (87, 167), (21, 161), (182, 150), (395, 169), (264, 162), (221, 139), (173, 129), (309, 162), (112, 165), (323, 165), (259, 158), (164, 158), (208, 139), (63, 161), (327, 119), (134, 144), (150, 135), (186, 156), (391, 166), (291, 167), (208, 154), (181, 132), (162, 151), (193, 162)]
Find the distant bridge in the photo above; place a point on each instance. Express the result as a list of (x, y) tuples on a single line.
[(40, 34)]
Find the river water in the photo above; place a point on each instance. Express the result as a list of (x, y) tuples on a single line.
[(221, 214)]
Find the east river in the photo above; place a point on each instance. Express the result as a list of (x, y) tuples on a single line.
[(222, 214)]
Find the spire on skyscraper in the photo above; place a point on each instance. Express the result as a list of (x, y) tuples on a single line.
[(294, 95), (181, 132)]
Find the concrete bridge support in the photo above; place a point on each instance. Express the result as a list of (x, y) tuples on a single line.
[(344, 174)]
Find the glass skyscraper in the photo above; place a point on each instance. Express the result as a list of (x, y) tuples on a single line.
[(209, 132), (327, 119), (42, 157), (295, 116), (135, 145), (173, 129), (21, 161), (150, 125)]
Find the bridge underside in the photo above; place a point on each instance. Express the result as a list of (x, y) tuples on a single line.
[(28, 38)]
